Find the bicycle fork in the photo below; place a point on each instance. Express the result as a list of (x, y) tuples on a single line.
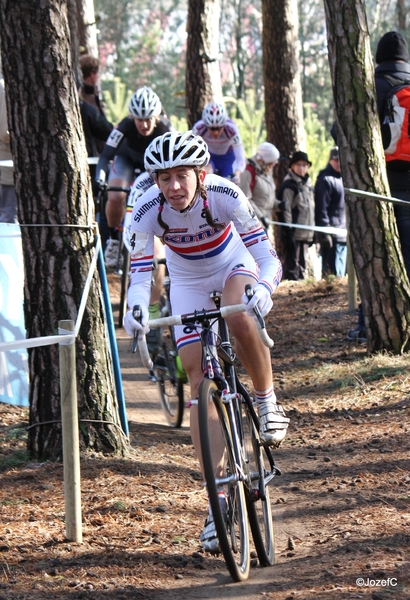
[(228, 399)]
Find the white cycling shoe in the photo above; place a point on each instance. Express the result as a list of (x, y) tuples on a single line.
[(273, 423)]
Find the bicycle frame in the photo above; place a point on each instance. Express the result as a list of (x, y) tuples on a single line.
[(230, 386)]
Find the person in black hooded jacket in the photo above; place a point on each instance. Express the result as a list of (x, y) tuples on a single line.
[(392, 58), (330, 212)]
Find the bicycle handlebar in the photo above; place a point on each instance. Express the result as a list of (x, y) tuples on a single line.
[(105, 187), (196, 316), (141, 341), (144, 353)]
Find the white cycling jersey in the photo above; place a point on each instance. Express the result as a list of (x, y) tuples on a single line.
[(195, 251), (229, 139)]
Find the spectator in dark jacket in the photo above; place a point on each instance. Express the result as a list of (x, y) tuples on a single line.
[(96, 127), (297, 203), (392, 58), (330, 212), (96, 130), (90, 92)]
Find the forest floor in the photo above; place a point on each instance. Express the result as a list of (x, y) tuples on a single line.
[(341, 506)]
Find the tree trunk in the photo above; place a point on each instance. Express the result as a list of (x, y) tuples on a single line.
[(383, 284), (86, 27), (283, 93), (401, 15), (203, 77), (73, 37), (53, 191), (239, 51)]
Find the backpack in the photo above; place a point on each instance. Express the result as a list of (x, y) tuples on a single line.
[(252, 170), (396, 117)]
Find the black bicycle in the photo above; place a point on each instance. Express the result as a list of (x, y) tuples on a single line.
[(248, 466)]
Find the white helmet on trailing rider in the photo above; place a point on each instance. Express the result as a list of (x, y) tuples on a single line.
[(214, 115), (175, 149), (144, 104)]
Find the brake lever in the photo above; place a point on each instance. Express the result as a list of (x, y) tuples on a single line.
[(249, 293)]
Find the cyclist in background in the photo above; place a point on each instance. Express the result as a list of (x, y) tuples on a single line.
[(213, 241), (125, 146), (224, 141), (141, 184)]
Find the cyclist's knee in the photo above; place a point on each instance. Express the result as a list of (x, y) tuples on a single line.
[(240, 324), (117, 198)]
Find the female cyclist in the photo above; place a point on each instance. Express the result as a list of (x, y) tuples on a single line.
[(125, 146), (213, 241), (223, 140)]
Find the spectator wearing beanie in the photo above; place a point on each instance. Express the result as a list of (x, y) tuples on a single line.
[(257, 182)]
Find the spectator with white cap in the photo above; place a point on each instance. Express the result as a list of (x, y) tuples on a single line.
[(257, 181)]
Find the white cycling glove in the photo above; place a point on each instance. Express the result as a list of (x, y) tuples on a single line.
[(261, 298), (131, 325)]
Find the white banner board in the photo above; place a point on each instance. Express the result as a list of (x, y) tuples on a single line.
[(13, 363)]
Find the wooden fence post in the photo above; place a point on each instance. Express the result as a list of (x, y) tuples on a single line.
[(71, 439)]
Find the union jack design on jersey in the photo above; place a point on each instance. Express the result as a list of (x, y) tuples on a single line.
[(196, 248)]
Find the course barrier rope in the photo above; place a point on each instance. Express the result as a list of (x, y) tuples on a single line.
[(337, 230), (376, 196)]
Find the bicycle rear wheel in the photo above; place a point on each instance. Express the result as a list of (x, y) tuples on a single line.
[(170, 386), (257, 494), (124, 285), (232, 530)]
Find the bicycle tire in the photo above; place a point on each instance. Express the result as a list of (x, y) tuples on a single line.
[(259, 506), (233, 537), (171, 388), (124, 286)]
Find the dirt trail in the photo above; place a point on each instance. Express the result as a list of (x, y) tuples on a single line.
[(341, 507)]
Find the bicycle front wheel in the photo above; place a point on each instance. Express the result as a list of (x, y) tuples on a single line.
[(170, 386), (222, 471), (257, 493)]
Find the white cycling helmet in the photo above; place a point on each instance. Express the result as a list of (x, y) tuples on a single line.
[(214, 115), (144, 104), (175, 149)]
